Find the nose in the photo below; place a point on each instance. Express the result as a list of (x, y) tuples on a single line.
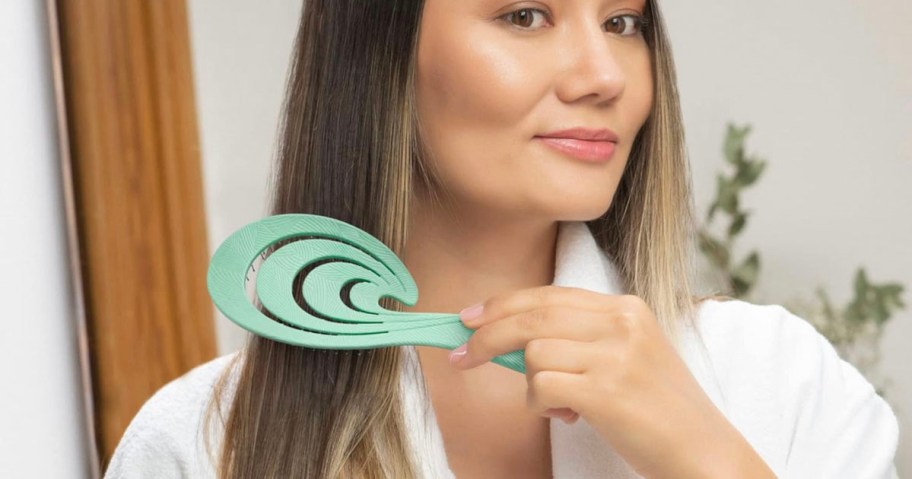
[(591, 70)]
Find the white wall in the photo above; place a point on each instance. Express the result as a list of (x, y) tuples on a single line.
[(42, 433), (826, 84)]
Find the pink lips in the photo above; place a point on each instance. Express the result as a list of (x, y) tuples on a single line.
[(593, 145)]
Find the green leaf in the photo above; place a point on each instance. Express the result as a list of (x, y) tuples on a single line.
[(854, 312), (892, 292), (750, 172), (728, 195), (740, 288), (880, 313), (714, 249), (737, 224), (712, 211), (746, 273), (733, 147), (887, 297), (861, 285), (896, 299)]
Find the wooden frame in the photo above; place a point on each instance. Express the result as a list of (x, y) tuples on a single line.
[(132, 163)]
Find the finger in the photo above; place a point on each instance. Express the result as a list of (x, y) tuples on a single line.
[(548, 354), (556, 354), (571, 418), (514, 332), (563, 413), (553, 390), (514, 302), (558, 412)]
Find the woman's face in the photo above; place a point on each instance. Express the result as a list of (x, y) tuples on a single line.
[(496, 75)]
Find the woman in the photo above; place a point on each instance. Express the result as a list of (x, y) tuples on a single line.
[(526, 161)]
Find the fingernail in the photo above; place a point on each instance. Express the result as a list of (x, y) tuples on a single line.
[(471, 312), (458, 353)]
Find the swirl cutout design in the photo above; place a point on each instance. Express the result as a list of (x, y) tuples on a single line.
[(346, 274)]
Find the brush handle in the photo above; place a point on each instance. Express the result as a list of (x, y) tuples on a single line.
[(346, 272), (452, 334)]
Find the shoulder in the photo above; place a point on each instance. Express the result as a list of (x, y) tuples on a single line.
[(781, 382), (164, 437), (739, 319), (771, 341), (753, 345)]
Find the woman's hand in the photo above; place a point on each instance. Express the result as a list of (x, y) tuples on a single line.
[(605, 358)]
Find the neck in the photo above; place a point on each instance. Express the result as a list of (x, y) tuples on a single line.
[(459, 258)]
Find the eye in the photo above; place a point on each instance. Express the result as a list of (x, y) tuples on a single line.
[(626, 25), (525, 17)]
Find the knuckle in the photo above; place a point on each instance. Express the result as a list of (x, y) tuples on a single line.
[(634, 303), (541, 381), (632, 310), (536, 349), (627, 321), (492, 307), (498, 306), (479, 344), (545, 294), (533, 320)]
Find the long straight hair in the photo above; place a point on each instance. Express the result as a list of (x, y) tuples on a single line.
[(350, 149)]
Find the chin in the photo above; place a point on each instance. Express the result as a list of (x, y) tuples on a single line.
[(583, 209), (584, 215)]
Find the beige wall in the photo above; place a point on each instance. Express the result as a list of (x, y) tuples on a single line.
[(827, 85)]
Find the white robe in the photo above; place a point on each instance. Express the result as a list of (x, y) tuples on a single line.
[(804, 410)]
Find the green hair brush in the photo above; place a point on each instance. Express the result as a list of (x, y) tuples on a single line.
[(348, 271)]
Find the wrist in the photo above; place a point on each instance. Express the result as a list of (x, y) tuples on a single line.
[(731, 456)]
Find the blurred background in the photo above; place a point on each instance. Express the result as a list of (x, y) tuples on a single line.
[(824, 86)]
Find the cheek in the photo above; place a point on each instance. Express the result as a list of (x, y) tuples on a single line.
[(470, 84), (640, 92), (474, 98)]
